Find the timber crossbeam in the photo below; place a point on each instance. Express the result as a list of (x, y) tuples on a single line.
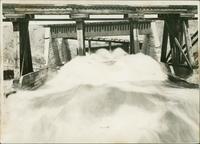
[(52, 9)]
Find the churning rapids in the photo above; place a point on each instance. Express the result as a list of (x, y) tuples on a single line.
[(105, 97)]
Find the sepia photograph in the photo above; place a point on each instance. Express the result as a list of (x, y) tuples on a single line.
[(102, 71)]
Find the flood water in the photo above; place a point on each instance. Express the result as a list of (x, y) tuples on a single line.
[(105, 97)]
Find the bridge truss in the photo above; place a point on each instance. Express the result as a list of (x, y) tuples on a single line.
[(175, 17)]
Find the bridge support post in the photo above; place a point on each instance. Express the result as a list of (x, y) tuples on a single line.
[(163, 57), (136, 39), (148, 46), (132, 44), (89, 46), (16, 46), (54, 46), (110, 46), (80, 37), (26, 65), (174, 27), (65, 51), (46, 45)]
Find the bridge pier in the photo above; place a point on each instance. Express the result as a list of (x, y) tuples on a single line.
[(89, 46), (26, 65), (164, 57), (47, 37), (175, 28), (65, 51), (148, 46), (80, 36), (110, 46), (136, 40), (132, 43), (56, 56)]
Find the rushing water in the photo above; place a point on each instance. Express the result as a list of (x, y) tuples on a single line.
[(105, 97)]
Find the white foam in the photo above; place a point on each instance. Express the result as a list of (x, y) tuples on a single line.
[(105, 97)]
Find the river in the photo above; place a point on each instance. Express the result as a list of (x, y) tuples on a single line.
[(105, 97)]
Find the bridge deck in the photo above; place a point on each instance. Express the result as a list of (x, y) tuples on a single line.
[(99, 29), (52, 9)]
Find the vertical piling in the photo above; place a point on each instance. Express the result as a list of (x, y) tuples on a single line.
[(180, 62), (16, 47), (46, 45), (89, 46), (132, 45), (110, 46), (80, 37), (164, 44), (136, 40), (25, 49)]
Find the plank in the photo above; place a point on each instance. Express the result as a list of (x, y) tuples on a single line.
[(33, 80)]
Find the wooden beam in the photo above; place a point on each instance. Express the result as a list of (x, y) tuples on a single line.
[(136, 40), (188, 42), (177, 32), (182, 65), (195, 34), (194, 41), (26, 65), (132, 45), (33, 80), (80, 37), (93, 29), (168, 55), (93, 49), (89, 46), (103, 39), (180, 39), (90, 19), (180, 48), (174, 42), (125, 16), (79, 16), (173, 50), (172, 22), (47, 37), (16, 46), (95, 9), (164, 44), (110, 46)]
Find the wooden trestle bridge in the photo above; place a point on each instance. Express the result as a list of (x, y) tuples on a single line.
[(177, 52)]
